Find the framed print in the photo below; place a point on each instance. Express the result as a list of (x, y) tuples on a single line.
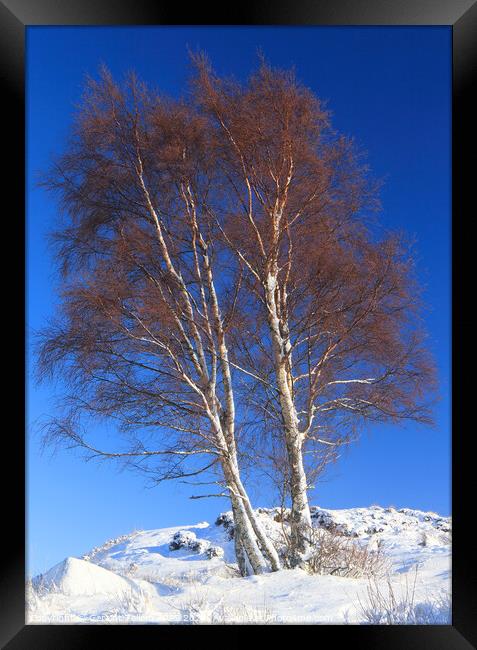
[(245, 275)]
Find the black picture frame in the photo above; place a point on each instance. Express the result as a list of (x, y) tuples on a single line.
[(15, 16)]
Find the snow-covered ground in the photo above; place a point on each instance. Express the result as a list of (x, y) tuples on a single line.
[(187, 574)]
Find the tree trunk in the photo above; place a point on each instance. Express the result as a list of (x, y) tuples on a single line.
[(240, 554), (300, 521), (246, 535), (227, 423), (265, 543), (300, 518)]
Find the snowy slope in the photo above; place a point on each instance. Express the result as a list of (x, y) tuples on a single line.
[(187, 574)]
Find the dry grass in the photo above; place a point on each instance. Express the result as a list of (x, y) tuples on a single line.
[(386, 604), (338, 555)]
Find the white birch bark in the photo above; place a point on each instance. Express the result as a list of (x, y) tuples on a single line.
[(251, 541), (244, 535), (300, 520)]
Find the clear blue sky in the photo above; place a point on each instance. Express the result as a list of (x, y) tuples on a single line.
[(388, 87)]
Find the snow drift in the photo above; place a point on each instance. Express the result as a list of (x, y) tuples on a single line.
[(74, 577), (187, 574)]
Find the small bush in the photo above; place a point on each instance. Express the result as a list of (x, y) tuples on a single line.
[(384, 605), (187, 539), (198, 610), (32, 600), (125, 607), (244, 615), (133, 602), (182, 539), (46, 604), (334, 554)]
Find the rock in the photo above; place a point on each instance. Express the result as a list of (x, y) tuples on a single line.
[(214, 551), (226, 520), (372, 530), (199, 546)]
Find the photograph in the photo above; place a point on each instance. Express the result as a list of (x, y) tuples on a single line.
[(238, 325)]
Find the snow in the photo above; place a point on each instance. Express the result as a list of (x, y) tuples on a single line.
[(178, 575), (74, 577)]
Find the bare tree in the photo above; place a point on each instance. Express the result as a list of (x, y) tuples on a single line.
[(332, 334), (141, 334)]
